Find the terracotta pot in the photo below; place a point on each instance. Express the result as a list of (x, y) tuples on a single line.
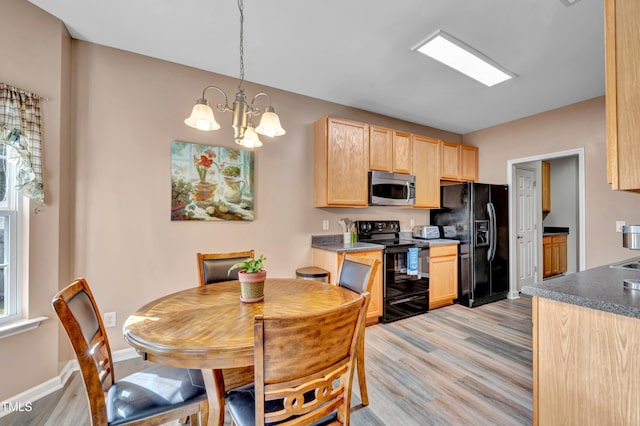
[(203, 191), (252, 286), (177, 210)]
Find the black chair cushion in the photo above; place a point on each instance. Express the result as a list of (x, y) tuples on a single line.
[(215, 270), (242, 406), (152, 391)]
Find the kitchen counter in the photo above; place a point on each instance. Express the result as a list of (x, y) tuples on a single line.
[(599, 288), (585, 344), (334, 243), (342, 247)]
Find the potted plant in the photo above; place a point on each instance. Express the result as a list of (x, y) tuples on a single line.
[(251, 276)]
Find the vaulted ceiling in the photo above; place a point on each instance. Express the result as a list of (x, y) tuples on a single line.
[(359, 52)]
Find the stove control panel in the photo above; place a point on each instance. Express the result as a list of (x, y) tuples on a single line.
[(372, 227)]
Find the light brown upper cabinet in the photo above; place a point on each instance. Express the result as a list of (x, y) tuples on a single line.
[(450, 163), (341, 163), (380, 140), (458, 162), (401, 152), (546, 187), (622, 61), (389, 150), (468, 163), (426, 168)]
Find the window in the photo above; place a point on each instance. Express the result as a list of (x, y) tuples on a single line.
[(9, 300)]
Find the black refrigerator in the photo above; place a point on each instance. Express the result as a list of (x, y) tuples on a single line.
[(477, 214)]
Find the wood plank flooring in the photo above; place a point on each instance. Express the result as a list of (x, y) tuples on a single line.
[(451, 366)]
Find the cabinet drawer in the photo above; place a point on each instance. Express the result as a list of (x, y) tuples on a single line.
[(556, 239), (448, 250)]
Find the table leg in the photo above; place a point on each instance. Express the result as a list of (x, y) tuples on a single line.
[(214, 383)]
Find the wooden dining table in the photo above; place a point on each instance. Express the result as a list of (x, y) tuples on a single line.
[(209, 328)]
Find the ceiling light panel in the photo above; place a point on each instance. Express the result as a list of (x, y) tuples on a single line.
[(454, 53)]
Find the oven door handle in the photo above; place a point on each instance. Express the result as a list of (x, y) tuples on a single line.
[(407, 299)]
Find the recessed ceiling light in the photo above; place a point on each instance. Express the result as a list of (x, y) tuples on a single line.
[(454, 53), (569, 2)]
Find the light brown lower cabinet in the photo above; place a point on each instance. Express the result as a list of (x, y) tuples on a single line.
[(554, 253), (585, 365), (331, 261), (443, 275)]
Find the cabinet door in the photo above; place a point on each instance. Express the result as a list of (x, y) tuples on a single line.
[(546, 187), (450, 164), (426, 168), (401, 152), (380, 143), (555, 258), (468, 163), (374, 311), (622, 98), (546, 256), (443, 275), (561, 242), (341, 163)]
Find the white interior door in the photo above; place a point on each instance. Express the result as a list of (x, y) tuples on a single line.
[(526, 226)]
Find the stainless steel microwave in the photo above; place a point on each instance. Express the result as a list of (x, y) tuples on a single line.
[(391, 189)]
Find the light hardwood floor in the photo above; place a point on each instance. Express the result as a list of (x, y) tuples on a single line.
[(451, 366)]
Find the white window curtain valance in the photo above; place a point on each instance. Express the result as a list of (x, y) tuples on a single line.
[(20, 131)]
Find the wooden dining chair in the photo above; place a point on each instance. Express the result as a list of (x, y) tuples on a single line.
[(303, 369), (359, 277), (152, 396), (214, 267)]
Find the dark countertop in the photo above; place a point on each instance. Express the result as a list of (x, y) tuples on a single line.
[(599, 288), (334, 243), (340, 247), (554, 230)]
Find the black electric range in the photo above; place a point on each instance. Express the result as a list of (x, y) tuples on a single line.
[(405, 291)]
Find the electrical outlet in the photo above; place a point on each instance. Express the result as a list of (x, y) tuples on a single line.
[(109, 319), (412, 223), (619, 225), (325, 225)]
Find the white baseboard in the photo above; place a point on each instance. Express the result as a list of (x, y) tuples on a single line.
[(58, 382), (513, 295)]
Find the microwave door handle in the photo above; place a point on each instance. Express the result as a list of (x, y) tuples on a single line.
[(408, 191)]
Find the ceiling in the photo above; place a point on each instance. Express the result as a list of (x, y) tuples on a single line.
[(359, 52)]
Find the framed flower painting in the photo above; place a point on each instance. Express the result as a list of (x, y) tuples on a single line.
[(211, 182)]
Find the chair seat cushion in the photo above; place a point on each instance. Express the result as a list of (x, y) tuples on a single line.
[(242, 407), (152, 391)]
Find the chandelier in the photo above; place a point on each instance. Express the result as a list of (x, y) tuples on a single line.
[(244, 133)]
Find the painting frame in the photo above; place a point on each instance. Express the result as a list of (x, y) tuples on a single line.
[(211, 183)]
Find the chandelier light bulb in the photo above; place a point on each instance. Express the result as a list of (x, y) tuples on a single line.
[(202, 117)]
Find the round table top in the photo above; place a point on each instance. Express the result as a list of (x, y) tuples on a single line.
[(209, 327)]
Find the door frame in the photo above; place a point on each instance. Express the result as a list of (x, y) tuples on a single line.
[(513, 205)]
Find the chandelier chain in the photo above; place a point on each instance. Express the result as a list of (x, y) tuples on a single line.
[(241, 9)]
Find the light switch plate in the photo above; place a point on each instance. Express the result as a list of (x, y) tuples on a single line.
[(325, 225), (619, 225)]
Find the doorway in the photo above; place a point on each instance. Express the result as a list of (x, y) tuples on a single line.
[(569, 188)]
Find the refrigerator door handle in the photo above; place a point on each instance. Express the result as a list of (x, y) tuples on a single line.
[(492, 232)]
